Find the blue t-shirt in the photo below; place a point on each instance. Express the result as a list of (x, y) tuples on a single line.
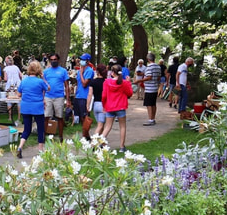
[(32, 89), (55, 77), (125, 72), (82, 92)]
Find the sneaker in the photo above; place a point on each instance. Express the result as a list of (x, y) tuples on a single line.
[(149, 123), (170, 105), (19, 153), (122, 149), (175, 106)]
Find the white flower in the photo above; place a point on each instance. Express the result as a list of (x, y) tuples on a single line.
[(85, 144), (114, 152), (140, 158), (8, 179), (129, 155), (147, 203), (167, 180), (14, 172), (51, 136), (2, 190), (91, 211), (121, 162), (99, 154), (36, 161), (193, 123), (12, 208), (24, 164), (55, 174), (69, 141), (76, 167), (147, 211), (106, 148)]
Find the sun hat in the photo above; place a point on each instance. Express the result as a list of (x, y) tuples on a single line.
[(85, 56)]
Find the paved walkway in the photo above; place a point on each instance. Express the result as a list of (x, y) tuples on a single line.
[(166, 119)]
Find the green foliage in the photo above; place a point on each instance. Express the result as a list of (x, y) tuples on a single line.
[(27, 26)]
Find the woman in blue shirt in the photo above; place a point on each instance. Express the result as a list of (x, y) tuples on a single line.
[(31, 91)]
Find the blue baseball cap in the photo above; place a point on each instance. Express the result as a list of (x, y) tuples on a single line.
[(85, 56)]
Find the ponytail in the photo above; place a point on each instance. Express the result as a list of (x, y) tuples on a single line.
[(117, 69)]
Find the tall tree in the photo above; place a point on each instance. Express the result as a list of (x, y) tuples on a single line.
[(63, 29), (140, 48)]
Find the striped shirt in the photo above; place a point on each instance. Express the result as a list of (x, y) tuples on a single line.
[(153, 70)]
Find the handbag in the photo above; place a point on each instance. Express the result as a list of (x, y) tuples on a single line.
[(87, 123)]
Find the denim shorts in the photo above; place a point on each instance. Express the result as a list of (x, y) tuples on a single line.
[(98, 112), (171, 87), (119, 114)]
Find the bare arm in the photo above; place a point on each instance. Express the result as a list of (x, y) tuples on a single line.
[(84, 82), (89, 97), (148, 78), (68, 102), (177, 79)]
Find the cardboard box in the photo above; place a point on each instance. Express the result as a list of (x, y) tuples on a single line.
[(4, 135), (52, 127)]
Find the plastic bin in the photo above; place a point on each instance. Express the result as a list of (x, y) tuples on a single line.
[(4, 135), (13, 137)]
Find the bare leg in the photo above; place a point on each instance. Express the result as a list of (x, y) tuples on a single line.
[(41, 146), (122, 125), (153, 112), (149, 112), (108, 126), (99, 128), (10, 112), (22, 142), (60, 128)]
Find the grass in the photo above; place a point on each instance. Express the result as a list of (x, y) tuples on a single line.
[(165, 144)]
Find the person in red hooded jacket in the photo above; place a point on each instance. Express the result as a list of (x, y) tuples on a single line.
[(116, 92)]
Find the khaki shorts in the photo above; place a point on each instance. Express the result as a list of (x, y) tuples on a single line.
[(54, 107)]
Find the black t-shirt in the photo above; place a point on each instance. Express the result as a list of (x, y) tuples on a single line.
[(173, 71), (97, 85), (163, 68)]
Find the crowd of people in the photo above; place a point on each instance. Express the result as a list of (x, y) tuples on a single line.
[(103, 89)]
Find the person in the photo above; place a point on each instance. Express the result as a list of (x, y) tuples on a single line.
[(181, 83), (12, 76), (151, 80), (139, 73), (123, 62), (163, 77), (57, 77), (84, 77), (115, 96), (17, 60), (31, 91), (1, 68), (95, 89), (73, 62), (171, 81)]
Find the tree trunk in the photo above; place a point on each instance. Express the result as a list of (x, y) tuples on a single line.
[(92, 19), (140, 49), (101, 17), (63, 30)]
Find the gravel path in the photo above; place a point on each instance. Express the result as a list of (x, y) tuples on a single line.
[(166, 120)]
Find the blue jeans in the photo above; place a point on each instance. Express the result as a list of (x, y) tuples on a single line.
[(183, 98)]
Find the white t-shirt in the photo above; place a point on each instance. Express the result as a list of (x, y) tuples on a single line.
[(13, 76), (141, 69), (183, 69)]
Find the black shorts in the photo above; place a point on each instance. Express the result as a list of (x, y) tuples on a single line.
[(80, 107), (150, 99)]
